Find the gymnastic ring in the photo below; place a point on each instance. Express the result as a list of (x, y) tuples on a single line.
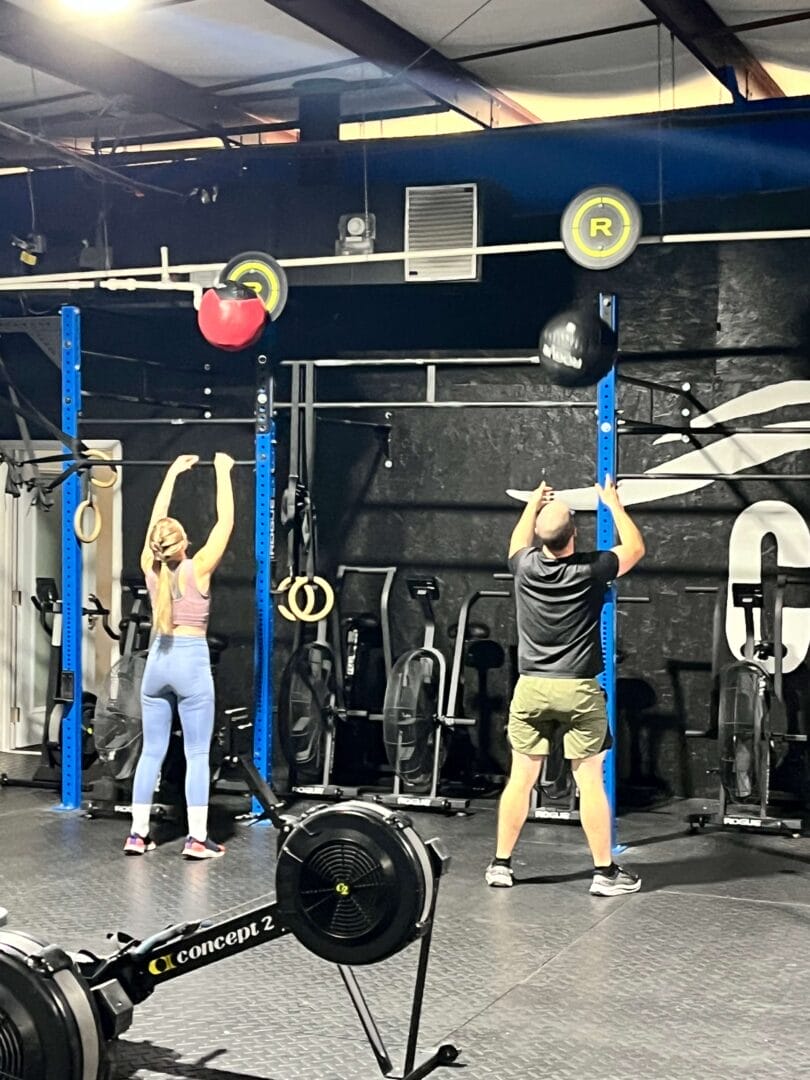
[(309, 592), (93, 535), (328, 599), (101, 455)]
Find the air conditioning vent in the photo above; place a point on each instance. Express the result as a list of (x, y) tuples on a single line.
[(436, 218)]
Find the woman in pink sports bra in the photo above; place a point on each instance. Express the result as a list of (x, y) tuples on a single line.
[(178, 668)]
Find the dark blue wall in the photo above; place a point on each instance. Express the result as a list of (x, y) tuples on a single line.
[(287, 199)]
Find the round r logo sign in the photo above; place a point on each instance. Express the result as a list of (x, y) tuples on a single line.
[(601, 227)]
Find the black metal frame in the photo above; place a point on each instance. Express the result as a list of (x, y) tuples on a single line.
[(715, 45), (635, 426)]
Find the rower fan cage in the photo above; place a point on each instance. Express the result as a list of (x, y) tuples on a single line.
[(307, 691), (49, 1025), (740, 719), (117, 724), (355, 884)]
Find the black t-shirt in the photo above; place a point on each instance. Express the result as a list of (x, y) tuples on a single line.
[(559, 603)]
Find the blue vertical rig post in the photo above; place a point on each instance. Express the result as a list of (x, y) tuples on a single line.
[(606, 461), (71, 570), (264, 524)]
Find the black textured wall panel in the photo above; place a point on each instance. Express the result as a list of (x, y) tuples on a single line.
[(728, 318)]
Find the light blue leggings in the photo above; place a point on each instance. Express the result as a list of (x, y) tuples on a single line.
[(178, 670)]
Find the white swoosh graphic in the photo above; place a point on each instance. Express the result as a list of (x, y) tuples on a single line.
[(766, 399), (755, 402), (733, 454)]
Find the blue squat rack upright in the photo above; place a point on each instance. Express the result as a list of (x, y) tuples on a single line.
[(71, 688), (71, 349), (606, 460), (264, 543)]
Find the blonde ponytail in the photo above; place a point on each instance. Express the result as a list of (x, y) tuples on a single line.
[(162, 615), (167, 541)]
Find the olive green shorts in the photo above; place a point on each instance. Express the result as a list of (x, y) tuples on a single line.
[(574, 706)]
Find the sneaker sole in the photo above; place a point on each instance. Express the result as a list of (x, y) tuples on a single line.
[(203, 857), (614, 890), (139, 851), (499, 884)]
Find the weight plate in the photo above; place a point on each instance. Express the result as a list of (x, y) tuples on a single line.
[(354, 883), (262, 274), (601, 227)]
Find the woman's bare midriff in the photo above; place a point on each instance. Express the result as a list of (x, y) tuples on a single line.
[(188, 631)]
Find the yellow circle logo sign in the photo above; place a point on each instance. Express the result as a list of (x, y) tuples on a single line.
[(342, 889), (601, 227), (261, 273), (262, 280)]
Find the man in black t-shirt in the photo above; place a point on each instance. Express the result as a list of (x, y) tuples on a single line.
[(559, 594)]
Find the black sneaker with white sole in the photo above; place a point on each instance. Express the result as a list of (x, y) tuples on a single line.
[(615, 883)]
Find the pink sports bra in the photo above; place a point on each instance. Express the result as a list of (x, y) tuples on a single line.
[(190, 607)]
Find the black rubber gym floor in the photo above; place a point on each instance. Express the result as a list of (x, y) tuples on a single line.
[(703, 974)]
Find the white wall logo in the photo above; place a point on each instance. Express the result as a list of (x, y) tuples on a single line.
[(736, 454)]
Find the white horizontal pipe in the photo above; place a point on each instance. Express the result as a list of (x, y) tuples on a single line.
[(722, 238), (71, 280), (436, 253), (32, 285), (131, 285)]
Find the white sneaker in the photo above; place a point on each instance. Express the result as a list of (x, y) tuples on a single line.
[(499, 876), (622, 881)]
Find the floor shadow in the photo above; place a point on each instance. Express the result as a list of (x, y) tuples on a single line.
[(138, 1056), (647, 841), (554, 879), (785, 853), (715, 869)]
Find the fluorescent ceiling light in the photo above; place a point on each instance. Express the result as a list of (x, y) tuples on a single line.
[(97, 7)]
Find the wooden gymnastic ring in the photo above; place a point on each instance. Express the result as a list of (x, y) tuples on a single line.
[(309, 592), (93, 535), (328, 599), (101, 455)]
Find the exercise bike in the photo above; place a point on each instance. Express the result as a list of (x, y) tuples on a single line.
[(420, 710), (355, 884), (59, 691), (331, 688), (752, 722)]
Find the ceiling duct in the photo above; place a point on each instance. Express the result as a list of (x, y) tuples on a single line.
[(436, 218)]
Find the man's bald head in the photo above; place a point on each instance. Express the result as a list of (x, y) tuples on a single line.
[(554, 527)]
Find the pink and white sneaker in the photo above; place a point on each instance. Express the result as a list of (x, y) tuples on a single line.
[(138, 845), (202, 849)]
